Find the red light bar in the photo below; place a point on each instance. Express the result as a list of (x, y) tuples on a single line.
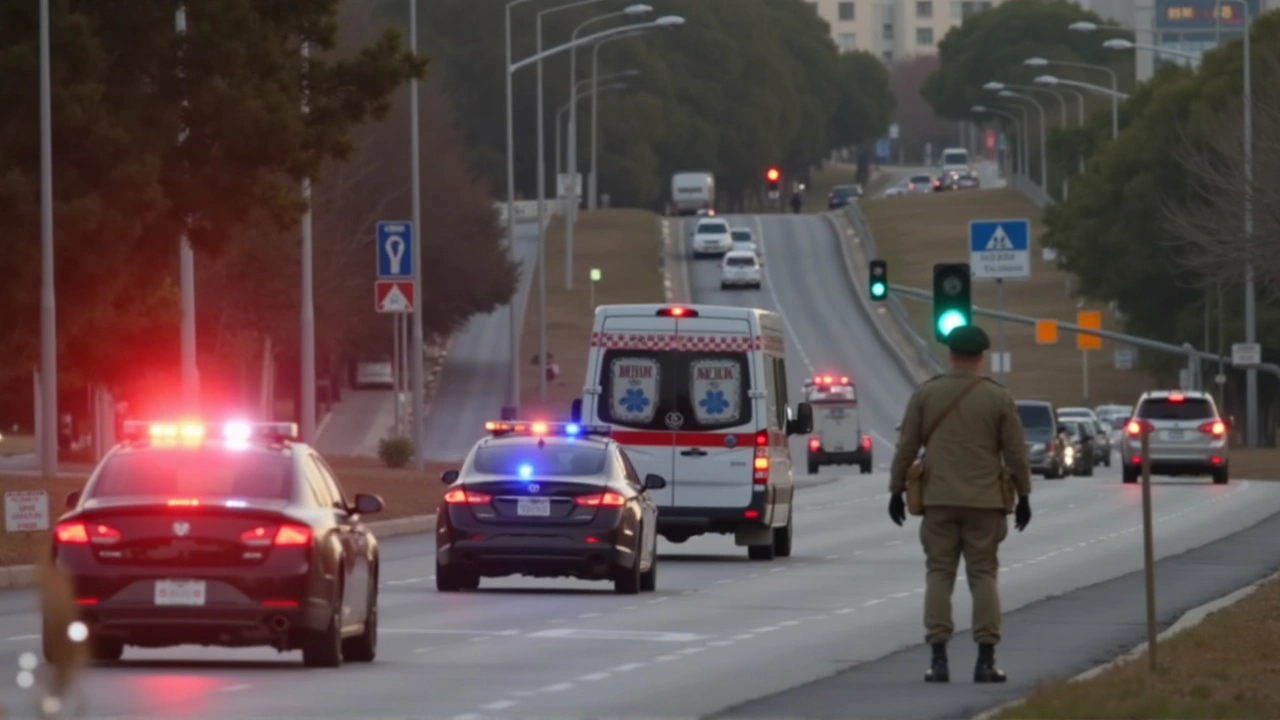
[(677, 312)]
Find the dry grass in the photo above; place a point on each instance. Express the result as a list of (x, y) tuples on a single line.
[(820, 183), (624, 245), (405, 493), (913, 233), (1259, 464), (17, 445), (1227, 667)]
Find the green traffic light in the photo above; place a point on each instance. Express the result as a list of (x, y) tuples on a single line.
[(950, 320), (877, 289)]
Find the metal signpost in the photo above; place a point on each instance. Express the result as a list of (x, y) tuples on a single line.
[(1148, 548), (396, 292), (1000, 250)]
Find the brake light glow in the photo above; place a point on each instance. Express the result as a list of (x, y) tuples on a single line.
[(280, 603), (538, 428), (287, 535), (71, 533), (815, 443), (86, 601), (184, 502), (1177, 397), (866, 442), (1136, 427), (844, 379), (751, 514), (677, 312), (458, 496), (606, 499), (762, 438), (1216, 428)]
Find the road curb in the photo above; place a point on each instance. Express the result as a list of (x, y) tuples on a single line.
[(1186, 621), (25, 576)]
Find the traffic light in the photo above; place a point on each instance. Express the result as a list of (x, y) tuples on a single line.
[(879, 283), (952, 304), (773, 176)]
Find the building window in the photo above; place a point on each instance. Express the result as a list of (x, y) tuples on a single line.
[(924, 9), (971, 7), (924, 36), (955, 8), (845, 10), (847, 42), (887, 56), (886, 31)]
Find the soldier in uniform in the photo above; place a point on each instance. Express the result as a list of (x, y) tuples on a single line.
[(964, 506)]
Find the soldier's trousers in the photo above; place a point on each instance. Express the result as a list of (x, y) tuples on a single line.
[(947, 533)]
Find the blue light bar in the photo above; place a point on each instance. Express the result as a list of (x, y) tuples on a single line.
[(537, 428)]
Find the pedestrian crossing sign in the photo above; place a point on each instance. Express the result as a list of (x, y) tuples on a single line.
[(1000, 249)]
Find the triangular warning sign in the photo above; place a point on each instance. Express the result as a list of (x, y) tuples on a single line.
[(395, 301), (999, 240)]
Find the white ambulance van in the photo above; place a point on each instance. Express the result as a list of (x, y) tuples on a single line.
[(698, 395), (837, 437)]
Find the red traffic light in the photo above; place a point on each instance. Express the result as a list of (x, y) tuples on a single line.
[(773, 174)]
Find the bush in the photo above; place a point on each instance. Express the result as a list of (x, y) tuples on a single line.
[(395, 452)]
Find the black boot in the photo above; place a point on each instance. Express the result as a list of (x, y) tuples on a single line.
[(938, 671), (986, 671)]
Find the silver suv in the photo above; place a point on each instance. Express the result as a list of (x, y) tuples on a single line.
[(1188, 436)]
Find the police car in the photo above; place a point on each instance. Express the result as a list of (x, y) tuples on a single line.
[(837, 437), (548, 500), (234, 535)]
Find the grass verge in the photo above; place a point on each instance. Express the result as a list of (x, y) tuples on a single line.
[(1225, 667), (624, 245), (405, 493), (912, 233)]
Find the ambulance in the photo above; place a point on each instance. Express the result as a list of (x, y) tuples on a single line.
[(698, 395), (837, 437)]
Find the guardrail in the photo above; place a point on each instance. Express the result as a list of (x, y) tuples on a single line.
[(528, 209), (854, 213)]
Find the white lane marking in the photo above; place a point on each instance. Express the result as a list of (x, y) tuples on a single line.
[(627, 668), (743, 636), (467, 716), (891, 543), (845, 611), (869, 603), (789, 623), (830, 557), (658, 600), (17, 638), (900, 595), (623, 635), (558, 687), (778, 570), (723, 582), (236, 688), (720, 643), (691, 651), (595, 676), (765, 629), (500, 705), (666, 658), (590, 615), (444, 631), (405, 582), (424, 649)]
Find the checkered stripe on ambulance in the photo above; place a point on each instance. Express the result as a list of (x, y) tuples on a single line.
[(698, 395)]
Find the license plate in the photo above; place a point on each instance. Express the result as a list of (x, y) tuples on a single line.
[(1174, 435), (533, 507), (190, 593)]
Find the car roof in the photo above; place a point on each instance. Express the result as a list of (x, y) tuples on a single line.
[(739, 254), (516, 440), (1164, 394), (741, 229), (712, 219), (1075, 410)]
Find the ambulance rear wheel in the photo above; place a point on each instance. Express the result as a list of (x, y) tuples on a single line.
[(866, 467), (813, 467), (782, 539)]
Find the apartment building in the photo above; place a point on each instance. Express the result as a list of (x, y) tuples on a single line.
[(895, 29)]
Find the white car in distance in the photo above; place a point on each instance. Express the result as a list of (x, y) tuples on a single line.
[(711, 237), (740, 268), (744, 239)]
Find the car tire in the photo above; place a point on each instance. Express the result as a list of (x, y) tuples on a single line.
[(649, 578), (866, 467), (447, 578), (323, 648), (1106, 461), (364, 647), (1129, 474), (1221, 476), (724, 286), (782, 538), (814, 467), (627, 580)]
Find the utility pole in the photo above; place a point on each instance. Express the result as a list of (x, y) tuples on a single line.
[(48, 416)]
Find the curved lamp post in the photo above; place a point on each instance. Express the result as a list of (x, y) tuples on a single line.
[(1115, 85)]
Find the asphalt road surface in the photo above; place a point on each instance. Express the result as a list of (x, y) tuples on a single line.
[(476, 378), (725, 636)]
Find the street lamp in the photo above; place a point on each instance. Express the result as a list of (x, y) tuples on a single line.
[(1115, 85), (1051, 80), (1054, 80), (1123, 44), (571, 202), (1044, 162), (592, 179), (512, 67), (564, 110), (1022, 139)]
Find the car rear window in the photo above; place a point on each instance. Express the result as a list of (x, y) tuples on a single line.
[(1035, 416), (216, 473), (740, 262), (713, 227), (555, 459), (1164, 409), (742, 235), (673, 390), (955, 158), (921, 178)]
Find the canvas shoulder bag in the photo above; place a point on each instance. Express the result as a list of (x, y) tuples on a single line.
[(915, 473)]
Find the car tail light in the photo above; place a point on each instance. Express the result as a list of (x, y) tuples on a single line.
[(751, 514), (1216, 460), (79, 533), (1216, 428), (815, 444), (762, 438), (1136, 427), (280, 603), (86, 601), (287, 535), (184, 502), (866, 442), (458, 496), (606, 499)]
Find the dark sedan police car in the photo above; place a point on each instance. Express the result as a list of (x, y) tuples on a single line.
[(232, 536), (547, 500)]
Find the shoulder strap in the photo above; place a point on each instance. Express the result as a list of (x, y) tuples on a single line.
[(954, 404)]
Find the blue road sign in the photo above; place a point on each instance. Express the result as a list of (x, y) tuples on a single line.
[(1000, 249), (882, 149), (395, 250)]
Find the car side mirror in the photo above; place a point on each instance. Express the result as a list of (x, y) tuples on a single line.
[(802, 424), (654, 482), (367, 504), (73, 499), (575, 410), (448, 477)]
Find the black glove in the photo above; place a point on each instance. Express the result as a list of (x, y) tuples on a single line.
[(1022, 514), (898, 509)]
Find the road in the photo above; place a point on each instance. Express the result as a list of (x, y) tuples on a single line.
[(476, 377), (723, 632)]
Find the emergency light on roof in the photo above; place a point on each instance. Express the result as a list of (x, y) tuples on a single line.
[(194, 432), (831, 380), (677, 312), (537, 428)]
